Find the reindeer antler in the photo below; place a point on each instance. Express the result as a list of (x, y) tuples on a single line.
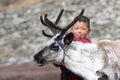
[(71, 24), (53, 26)]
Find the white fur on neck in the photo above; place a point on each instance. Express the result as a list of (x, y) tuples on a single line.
[(80, 59)]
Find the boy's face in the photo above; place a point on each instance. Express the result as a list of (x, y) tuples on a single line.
[(80, 29)]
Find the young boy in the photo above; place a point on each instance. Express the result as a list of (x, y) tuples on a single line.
[(80, 31)]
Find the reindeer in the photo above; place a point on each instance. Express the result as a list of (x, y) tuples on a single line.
[(91, 61)]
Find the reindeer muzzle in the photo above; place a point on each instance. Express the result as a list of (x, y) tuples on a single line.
[(38, 58)]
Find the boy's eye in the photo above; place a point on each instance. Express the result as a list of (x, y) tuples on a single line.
[(84, 29), (76, 28)]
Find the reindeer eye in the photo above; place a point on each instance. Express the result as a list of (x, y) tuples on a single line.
[(55, 48)]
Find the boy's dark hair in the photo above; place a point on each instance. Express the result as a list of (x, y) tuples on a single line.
[(86, 20)]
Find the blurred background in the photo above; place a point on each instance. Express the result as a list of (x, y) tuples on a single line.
[(21, 38)]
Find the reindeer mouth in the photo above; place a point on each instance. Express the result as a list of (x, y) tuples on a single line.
[(43, 62), (40, 62)]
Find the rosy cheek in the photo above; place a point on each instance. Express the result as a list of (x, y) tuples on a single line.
[(76, 35), (85, 34)]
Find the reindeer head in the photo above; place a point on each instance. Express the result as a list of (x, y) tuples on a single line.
[(54, 49)]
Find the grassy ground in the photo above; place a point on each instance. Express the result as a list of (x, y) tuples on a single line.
[(29, 71)]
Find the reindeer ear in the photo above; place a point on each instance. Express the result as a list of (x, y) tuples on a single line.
[(68, 38)]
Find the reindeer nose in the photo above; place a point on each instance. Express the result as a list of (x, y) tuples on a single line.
[(37, 56), (36, 59), (40, 62)]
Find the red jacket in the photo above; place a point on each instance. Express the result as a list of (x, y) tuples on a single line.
[(65, 73)]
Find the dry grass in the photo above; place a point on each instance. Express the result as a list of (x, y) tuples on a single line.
[(6, 53), (17, 4)]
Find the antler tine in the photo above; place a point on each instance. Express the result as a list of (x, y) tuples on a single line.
[(43, 32), (53, 26), (59, 16), (71, 24), (42, 21), (45, 22), (47, 35), (75, 20), (50, 22)]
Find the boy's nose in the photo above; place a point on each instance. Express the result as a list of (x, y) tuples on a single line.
[(79, 32)]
